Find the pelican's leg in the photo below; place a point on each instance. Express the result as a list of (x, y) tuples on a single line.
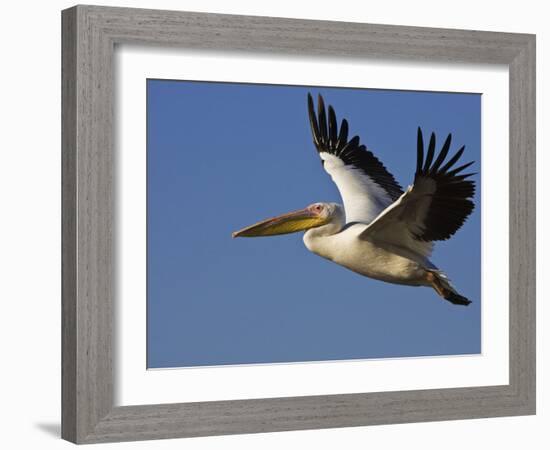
[(444, 289), (434, 282)]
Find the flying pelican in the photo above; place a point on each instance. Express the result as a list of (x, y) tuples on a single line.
[(381, 232)]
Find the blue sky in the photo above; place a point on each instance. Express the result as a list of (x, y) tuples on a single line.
[(221, 156)]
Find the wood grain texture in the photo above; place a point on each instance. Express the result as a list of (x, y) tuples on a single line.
[(523, 224), (68, 225), (89, 37)]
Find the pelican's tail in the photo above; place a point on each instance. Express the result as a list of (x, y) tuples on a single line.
[(442, 285)]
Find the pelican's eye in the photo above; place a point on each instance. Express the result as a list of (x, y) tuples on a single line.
[(318, 208)]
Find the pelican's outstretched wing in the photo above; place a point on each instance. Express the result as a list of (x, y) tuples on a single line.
[(433, 208), (366, 187)]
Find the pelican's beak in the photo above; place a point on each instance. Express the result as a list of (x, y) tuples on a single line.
[(291, 222)]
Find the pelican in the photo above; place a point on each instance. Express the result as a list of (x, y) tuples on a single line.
[(381, 231)]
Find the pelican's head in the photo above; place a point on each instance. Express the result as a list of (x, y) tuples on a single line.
[(314, 216)]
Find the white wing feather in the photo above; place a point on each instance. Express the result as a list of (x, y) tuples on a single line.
[(400, 223), (363, 198)]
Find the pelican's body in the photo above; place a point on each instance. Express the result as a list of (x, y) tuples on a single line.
[(381, 231), (347, 249)]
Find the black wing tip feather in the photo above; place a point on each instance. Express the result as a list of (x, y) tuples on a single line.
[(429, 167), (452, 200), (330, 138)]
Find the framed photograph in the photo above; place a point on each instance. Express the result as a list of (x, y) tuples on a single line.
[(278, 224)]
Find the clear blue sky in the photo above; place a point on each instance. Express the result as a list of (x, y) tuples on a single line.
[(221, 156)]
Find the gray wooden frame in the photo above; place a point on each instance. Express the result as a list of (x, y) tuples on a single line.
[(89, 37)]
